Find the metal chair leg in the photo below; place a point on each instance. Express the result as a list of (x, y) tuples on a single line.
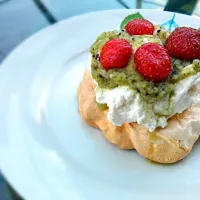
[(139, 4), (3, 1), (41, 6)]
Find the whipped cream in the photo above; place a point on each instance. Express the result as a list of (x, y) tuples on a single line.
[(127, 105)]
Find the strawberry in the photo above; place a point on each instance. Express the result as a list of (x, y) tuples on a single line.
[(116, 53), (153, 62), (184, 43), (139, 27)]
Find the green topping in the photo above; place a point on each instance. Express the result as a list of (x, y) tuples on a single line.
[(127, 76), (183, 69), (198, 28), (150, 92), (161, 33), (129, 18), (102, 106)]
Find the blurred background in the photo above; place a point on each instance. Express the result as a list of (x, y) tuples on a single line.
[(21, 18)]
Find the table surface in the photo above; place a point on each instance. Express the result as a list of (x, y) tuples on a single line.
[(17, 15)]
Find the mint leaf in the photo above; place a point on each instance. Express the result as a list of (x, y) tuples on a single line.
[(129, 18), (198, 29)]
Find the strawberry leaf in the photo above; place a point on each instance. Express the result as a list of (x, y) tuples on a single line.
[(129, 18)]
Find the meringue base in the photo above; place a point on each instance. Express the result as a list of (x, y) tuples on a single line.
[(156, 146)]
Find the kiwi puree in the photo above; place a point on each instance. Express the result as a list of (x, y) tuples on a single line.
[(129, 76)]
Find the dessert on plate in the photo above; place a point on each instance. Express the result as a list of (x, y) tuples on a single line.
[(142, 88)]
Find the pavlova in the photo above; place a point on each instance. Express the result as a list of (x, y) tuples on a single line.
[(142, 89)]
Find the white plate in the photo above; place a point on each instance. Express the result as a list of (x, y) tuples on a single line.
[(47, 151)]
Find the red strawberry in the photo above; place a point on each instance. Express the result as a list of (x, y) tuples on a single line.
[(153, 62), (184, 43), (116, 53), (139, 27)]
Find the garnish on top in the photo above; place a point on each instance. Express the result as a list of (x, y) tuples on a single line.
[(153, 62), (139, 57), (139, 27), (116, 53), (130, 18), (184, 43)]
